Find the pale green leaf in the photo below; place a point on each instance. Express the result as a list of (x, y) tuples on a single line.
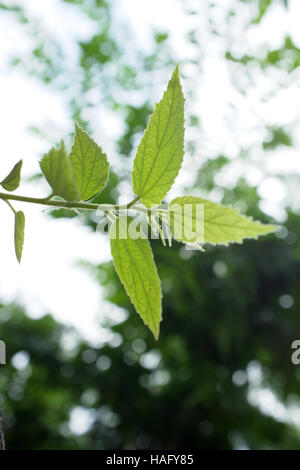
[(12, 181), (19, 234), (160, 153), (136, 268), (212, 223), (90, 165), (58, 171)]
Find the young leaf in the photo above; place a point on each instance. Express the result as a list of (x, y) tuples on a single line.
[(58, 171), (19, 234), (136, 268), (222, 224), (90, 165), (160, 153), (12, 181)]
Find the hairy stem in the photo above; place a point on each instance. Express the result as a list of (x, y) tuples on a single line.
[(10, 206), (64, 204), (127, 206)]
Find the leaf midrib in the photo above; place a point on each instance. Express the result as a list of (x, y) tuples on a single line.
[(159, 148), (143, 286)]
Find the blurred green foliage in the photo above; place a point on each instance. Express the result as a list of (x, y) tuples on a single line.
[(287, 57), (223, 323)]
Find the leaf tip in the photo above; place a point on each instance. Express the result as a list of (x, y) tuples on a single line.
[(78, 128), (176, 74), (268, 229), (155, 332), (274, 228)]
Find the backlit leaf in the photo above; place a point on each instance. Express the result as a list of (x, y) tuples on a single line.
[(12, 181), (90, 165), (160, 153), (219, 225), (134, 263), (58, 171), (19, 234)]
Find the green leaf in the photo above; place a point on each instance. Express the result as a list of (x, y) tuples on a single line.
[(12, 181), (19, 234), (222, 224), (160, 153), (136, 268), (90, 165), (58, 171)]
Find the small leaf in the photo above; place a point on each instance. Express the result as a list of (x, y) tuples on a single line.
[(222, 224), (58, 171), (160, 153), (136, 268), (12, 181), (90, 165), (19, 234)]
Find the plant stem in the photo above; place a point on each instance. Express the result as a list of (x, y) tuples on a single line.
[(64, 204), (127, 206), (49, 197), (106, 208), (11, 207)]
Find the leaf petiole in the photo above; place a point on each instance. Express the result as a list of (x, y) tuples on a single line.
[(11, 206)]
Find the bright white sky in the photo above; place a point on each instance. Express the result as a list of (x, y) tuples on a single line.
[(47, 279)]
